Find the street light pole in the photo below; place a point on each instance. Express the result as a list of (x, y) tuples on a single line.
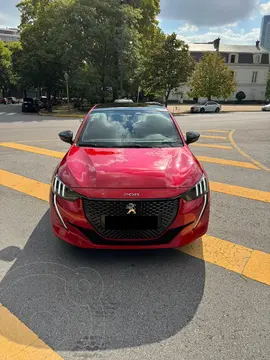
[(67, 88)]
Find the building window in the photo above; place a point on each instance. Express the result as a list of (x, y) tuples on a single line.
[(233, 58), (254, 76), (257, 59)]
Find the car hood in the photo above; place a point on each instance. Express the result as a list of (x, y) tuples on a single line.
[(129, 168)]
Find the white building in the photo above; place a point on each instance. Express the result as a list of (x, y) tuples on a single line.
[(9, 34), (249, 63)]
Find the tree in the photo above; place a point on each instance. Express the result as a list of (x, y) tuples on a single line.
[(212, 77), (240, 96), (5, 65), (168, 66)]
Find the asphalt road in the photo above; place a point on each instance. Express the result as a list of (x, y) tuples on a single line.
[(149, 304)]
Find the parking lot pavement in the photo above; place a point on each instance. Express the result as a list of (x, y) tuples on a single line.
[(209, 300)]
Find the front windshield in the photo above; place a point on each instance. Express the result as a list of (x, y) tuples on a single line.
[(129, 128)]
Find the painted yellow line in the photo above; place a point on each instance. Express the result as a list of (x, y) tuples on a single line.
[(245, 154), (33, 149), (18, 342), (240, 191), (22, 184), (258, 267), (216, 131), (219, 161), (31, 141), (213, 137), (212, 146), (251, 263)]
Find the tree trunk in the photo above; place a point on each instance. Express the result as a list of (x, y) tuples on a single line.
[(167, 97), (209, 98)]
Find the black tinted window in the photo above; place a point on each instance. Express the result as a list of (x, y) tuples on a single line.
[(130, 128)]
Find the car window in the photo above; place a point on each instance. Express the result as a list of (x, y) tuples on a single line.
[(129, 128)]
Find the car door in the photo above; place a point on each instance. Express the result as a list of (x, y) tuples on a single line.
[(207, 106), (211, 106)]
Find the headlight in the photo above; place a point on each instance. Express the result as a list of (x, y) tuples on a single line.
[(60, 189), (197, 191)]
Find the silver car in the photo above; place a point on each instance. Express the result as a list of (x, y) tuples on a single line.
[(206, 106), (266, 107)]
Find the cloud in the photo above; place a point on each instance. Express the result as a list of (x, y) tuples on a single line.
[(228, 36), (207, 12), (187, 28), (265, 8)]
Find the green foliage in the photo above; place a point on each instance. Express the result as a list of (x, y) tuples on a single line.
[(211, 78), (240, 96), (5, 64), (167, 67), (267, 93)]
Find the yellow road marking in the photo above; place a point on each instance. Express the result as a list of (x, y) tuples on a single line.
[(33, 149), (251, 263), (240, 191), (225, 147), (18, 342), (227, 162), (22, 184), (258, 267), (213, 137), (245, 154), (215, 131), (30, 141)]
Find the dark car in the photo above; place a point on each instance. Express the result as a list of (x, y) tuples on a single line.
[(30, 105)]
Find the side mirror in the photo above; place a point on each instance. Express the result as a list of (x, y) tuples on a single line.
[(192, 136), (66, 136)]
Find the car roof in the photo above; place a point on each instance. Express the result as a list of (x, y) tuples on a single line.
[(134, 106)]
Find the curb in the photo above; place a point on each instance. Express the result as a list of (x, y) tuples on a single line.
[(63, 116)]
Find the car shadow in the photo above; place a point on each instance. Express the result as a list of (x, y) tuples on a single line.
[(86, 300)]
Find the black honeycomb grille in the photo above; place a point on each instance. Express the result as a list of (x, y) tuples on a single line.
[(166, 210)]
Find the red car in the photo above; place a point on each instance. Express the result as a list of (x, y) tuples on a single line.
[(129, 181)]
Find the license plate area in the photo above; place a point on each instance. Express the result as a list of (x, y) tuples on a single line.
[(130, 222)]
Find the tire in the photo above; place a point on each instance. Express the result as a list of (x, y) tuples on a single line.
[(202, 110), (217, 110)]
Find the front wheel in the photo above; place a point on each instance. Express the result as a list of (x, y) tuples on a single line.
[(217, 110), (202, 110)]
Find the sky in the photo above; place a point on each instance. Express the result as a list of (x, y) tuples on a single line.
[(234, 21)]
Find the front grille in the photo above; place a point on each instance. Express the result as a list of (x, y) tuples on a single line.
[(166, 210)]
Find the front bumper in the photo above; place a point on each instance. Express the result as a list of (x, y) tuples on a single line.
[(71, 225)]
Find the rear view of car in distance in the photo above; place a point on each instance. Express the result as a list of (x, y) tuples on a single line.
[(30, 105), (206, 106), (129, 181)]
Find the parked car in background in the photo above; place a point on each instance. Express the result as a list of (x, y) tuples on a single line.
[(266, 107), (13, 100), (30, 105), (154, 103), (207, 106), (4, 101)]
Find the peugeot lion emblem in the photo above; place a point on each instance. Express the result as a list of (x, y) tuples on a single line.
[(131, 209)]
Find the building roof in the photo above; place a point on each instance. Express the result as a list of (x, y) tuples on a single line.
[(247, 49)]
